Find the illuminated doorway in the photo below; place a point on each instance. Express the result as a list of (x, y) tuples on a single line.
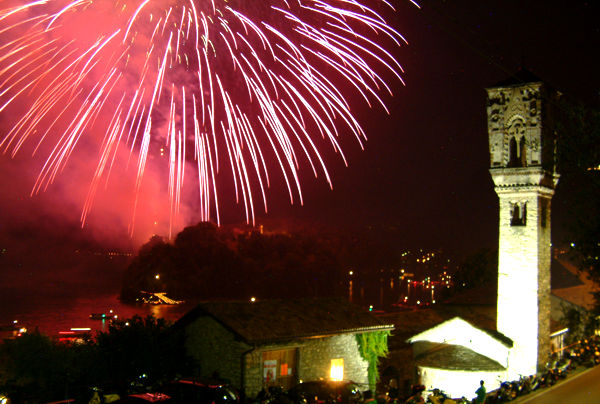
[(280, 368)]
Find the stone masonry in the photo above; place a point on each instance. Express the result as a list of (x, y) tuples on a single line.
[(216, 349), (314, 361), (522, 166), (316, 354)]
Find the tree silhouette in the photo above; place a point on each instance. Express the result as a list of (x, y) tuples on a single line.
[(207, 262)]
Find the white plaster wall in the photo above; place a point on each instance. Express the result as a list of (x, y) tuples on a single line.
[(459, 383)]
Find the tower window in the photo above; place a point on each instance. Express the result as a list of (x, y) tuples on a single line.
[(518, 214)]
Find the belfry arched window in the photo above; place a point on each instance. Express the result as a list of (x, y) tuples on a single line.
[(513, 153), (517, 156), (522, 152)]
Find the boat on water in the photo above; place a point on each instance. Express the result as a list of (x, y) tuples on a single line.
[(157, 298), (104, 316), (76, 335), (12, 331)]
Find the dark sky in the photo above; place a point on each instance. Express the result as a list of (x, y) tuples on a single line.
[(424, 171), (425, 168)]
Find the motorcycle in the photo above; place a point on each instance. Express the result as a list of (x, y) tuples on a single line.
[(504, 394), (437, 396)]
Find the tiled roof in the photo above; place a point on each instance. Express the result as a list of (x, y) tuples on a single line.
[(563, 275), (556, 326), (578, 296), (266, 321), (454, 357), (573, 286)]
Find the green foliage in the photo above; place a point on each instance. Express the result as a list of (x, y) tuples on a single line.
[(372, 346), (573, 319), (581, 323)]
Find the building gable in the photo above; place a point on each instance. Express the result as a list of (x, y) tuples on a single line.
[(458, 332), (215, 349)]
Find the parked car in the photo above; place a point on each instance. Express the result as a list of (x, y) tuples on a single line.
[(326, 392), (145, 398), (195, 392)]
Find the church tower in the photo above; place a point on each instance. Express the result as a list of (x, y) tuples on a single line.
[(523, 168)]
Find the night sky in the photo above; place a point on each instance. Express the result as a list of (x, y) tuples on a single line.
[(424, 170)]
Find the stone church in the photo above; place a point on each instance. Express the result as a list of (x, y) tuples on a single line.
[(455, 355)]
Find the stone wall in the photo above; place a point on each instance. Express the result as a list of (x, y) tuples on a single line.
[(314, 361), (215, 349), (253, 378), (316, 354)]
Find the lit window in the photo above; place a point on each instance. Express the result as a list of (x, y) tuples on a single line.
[(337, 369)]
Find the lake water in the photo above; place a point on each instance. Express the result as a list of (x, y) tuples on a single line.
[(55, 298), (51, 314), (51, 310), (52, 296)]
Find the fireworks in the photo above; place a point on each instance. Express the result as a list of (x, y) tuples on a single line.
[(221, 84)]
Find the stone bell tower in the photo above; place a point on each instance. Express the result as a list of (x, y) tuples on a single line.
[(523, 168)]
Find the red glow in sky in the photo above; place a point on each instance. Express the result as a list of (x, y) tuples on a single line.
[(161, 94), (424, 168)]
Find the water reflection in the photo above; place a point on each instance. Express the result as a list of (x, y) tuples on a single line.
[(389, 293), (50, 316)]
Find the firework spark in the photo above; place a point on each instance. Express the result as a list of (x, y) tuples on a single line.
[(221, 83)]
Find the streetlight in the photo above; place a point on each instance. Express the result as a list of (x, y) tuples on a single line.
[(350, 285)]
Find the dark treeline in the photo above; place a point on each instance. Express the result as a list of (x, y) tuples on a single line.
[(207, 262), (479, 269), (133, 354), (579, 166)]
